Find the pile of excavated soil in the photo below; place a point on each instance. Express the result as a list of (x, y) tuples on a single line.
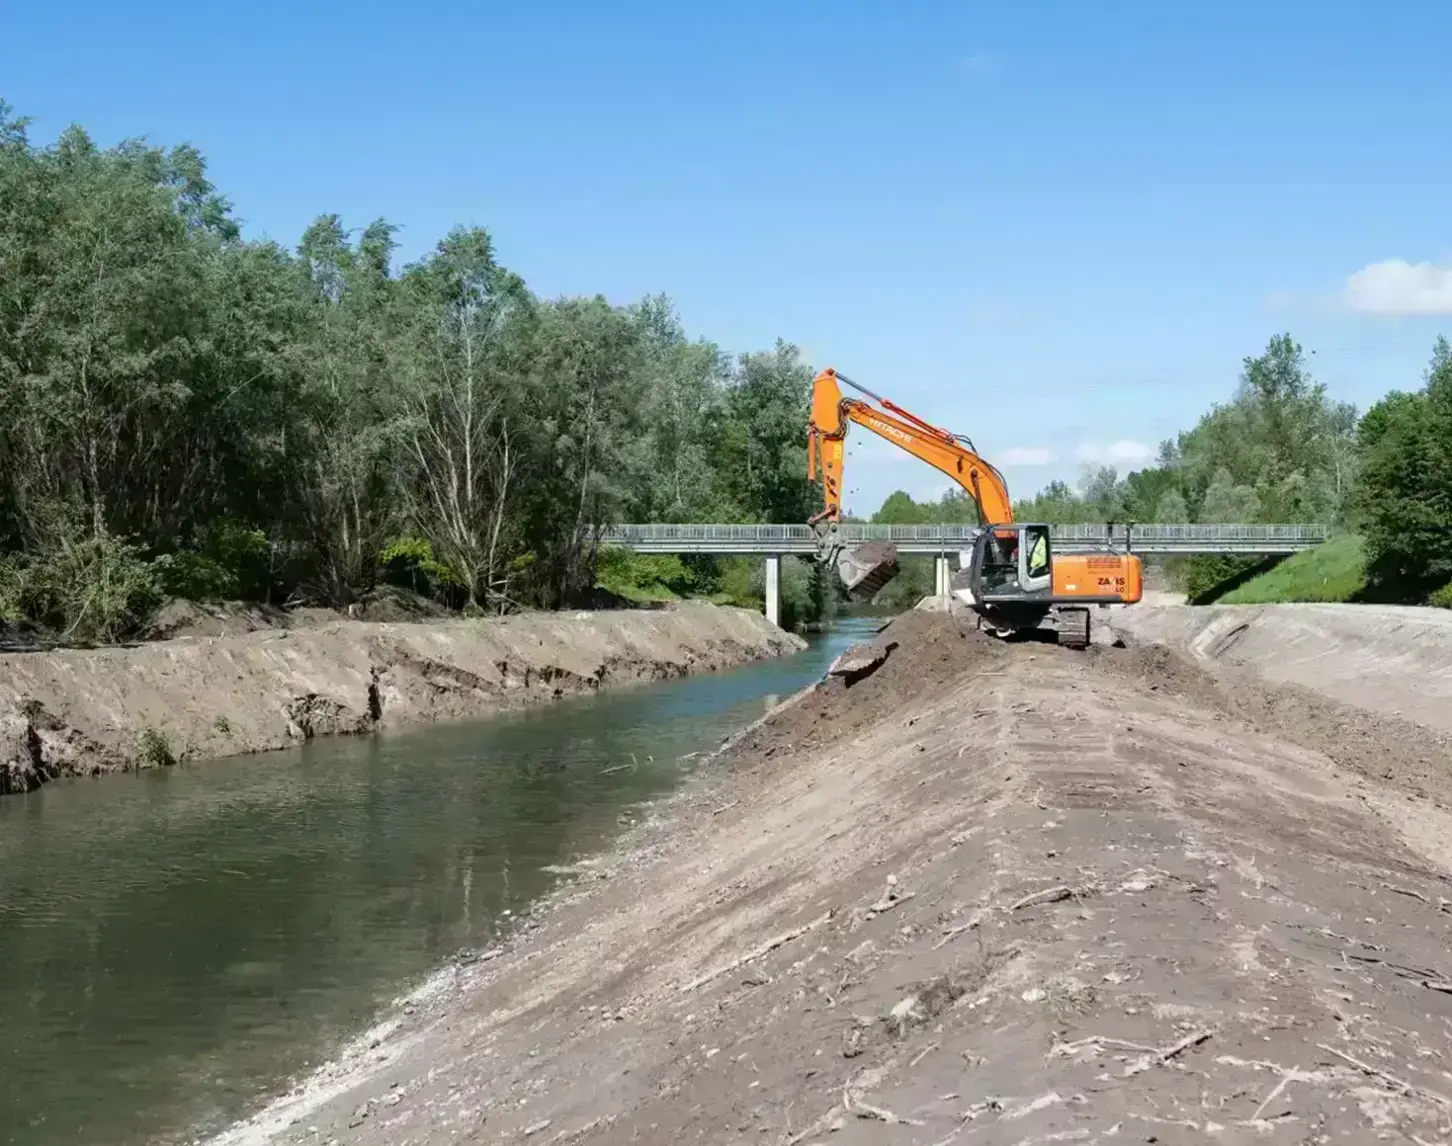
[(991, 893), (927, 653), (83, 712), (178, 618)]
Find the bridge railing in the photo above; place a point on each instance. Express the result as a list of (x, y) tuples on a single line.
[(1107, 534)]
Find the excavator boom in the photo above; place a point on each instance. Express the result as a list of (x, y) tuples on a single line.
[(951, 454), (867, 568)]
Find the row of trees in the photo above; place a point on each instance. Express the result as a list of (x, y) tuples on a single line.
[(1280, 450), (185, 411)]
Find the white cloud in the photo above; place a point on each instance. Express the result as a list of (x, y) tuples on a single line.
[(1397, 287), (1027, 456), (1126, 451)]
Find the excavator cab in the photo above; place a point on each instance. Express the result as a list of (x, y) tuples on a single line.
[(1011, 563)]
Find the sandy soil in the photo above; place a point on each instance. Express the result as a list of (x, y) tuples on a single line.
[(990, 893), (82, 712)]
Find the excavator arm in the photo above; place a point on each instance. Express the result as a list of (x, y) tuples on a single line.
[(949, 453)]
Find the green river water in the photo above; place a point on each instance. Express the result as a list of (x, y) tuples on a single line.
[(176, 945)]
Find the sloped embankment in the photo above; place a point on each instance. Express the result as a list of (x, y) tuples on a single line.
[(85, 712), (999, 893), (1393, 660)]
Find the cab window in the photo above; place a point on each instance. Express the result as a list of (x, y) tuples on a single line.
[(1036, 541)]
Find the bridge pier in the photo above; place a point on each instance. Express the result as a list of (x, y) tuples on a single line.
[(773, 588), (942, 576)]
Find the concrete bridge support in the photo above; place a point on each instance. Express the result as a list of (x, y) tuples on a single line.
[(942, 576), (773, 588)]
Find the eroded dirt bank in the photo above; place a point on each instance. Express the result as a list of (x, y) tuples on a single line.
[(84, 712), (991, 893), (1394, 660)]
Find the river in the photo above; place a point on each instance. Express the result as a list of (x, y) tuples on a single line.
[(176, 945)]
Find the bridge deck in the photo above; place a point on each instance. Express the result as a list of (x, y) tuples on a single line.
[(1250, 540)]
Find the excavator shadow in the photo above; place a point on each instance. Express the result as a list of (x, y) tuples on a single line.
[(1044, 636)]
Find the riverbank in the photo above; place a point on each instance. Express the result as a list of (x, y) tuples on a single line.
[(990, 892), (86, 712)]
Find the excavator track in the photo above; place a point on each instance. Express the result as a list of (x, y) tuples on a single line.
[(1073, 627)]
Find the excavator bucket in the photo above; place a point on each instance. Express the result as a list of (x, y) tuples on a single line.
[(867, 568)]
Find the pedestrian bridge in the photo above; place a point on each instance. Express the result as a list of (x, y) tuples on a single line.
[(774, 541), (1251, 540)]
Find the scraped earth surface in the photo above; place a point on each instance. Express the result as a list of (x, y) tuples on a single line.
[(987, 893)]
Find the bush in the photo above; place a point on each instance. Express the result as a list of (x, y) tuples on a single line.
[(409, 563), (229, 561), (1205, 579), (99, 589), (152, 750), (646, 577), (1442, 598)]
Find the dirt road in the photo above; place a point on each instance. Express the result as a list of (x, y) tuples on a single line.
[(991, 893)]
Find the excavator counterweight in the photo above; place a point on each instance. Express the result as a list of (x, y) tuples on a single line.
[(1012, 579)]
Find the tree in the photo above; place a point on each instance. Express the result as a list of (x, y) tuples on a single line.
[(1280, 435), (900, 509), (459, 415), (183, 410), (1405, 496), (1171, 508), (1226, 503)]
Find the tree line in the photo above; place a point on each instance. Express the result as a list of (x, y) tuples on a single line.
[(186, 411), (1280, 450)]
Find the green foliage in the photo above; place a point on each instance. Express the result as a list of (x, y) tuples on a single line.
[(646, 577), (1405, 496), (741, 582), (409, 563), (277, 424), (1280, 450), (86, 588), (1335, 571), (1442, 598), (1204, 579), (153, 751), (901, 509), (228, 562)]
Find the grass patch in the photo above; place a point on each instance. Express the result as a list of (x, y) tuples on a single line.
[(1334, 571)]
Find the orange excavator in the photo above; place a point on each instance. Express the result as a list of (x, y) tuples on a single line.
[(1011, 578)]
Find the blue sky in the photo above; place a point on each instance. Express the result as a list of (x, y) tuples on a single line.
[(1056, 227)]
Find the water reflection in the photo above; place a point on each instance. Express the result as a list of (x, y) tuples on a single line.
[(175, 944)]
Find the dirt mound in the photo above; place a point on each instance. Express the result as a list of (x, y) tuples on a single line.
[(1383, 747), (928, 653), (391, 604)]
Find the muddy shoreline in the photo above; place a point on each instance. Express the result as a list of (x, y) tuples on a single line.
[(78, 713), (990, 893)]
